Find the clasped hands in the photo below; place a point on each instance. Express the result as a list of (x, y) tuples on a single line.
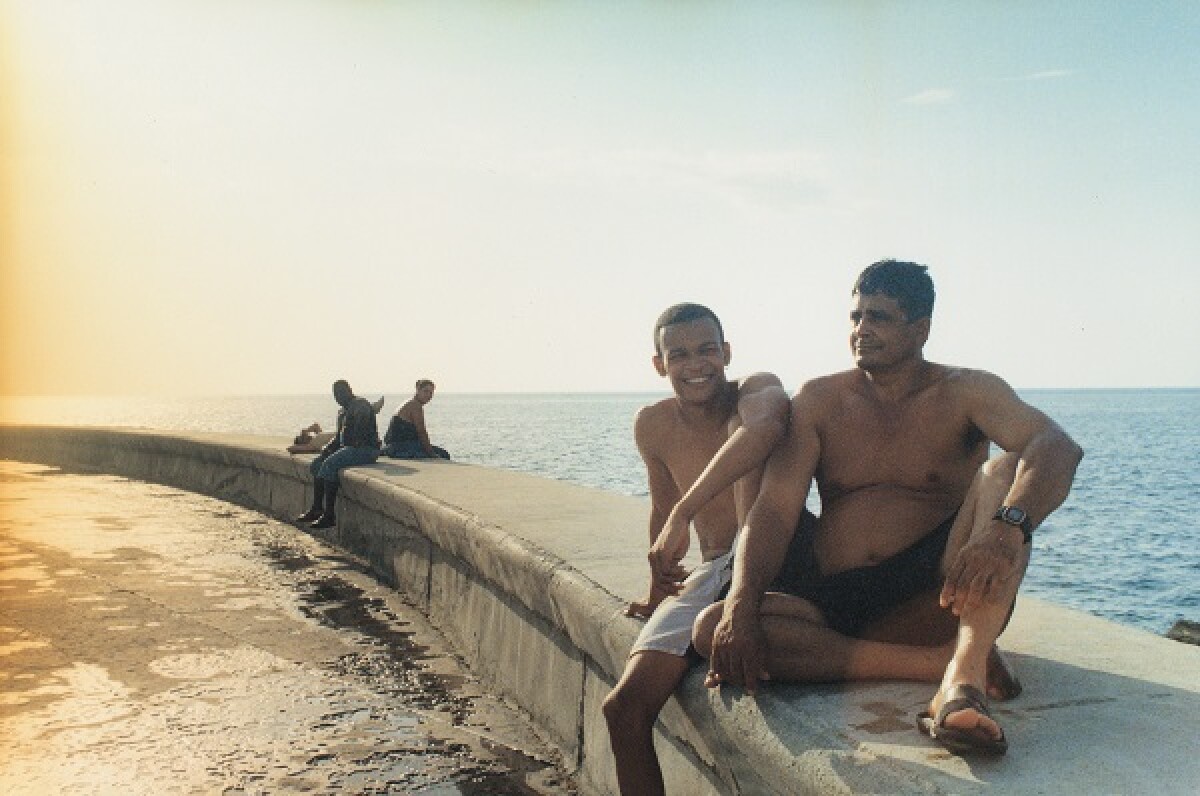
[(666, 569)]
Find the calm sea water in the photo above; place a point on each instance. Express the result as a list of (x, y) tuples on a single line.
[(1125, 545)]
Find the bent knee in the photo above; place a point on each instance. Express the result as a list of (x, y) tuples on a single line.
[(704, 626), (624, 706)]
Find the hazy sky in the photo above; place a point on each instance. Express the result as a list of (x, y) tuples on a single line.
[(231, 196)]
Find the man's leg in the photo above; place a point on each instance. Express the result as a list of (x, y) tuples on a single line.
[(802, 648), (328, 517), (631, 709), (318, 503), (329, 478), (979, 626), (331, 471)]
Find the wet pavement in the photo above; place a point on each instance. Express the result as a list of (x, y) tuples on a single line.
[(158, 641)]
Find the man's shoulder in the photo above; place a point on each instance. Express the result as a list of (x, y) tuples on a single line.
[(754, 382), (655, 415), (963, 382), (654, 426), (829, 386)]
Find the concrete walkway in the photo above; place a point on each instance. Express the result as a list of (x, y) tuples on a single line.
[(157, 641)]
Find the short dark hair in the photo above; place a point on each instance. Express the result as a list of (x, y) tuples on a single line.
[(423, 383), (908, 283), (682, 313), (341, 385)]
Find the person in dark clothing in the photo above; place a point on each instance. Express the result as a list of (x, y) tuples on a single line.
[(355, 443), (406, 437)]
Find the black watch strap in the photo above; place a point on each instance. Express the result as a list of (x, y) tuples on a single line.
[(1016, 517)]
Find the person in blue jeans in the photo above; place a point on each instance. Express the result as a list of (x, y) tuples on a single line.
[(355, 443), (406, 437)]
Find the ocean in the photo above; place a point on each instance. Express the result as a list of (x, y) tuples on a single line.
[(1124, 546)]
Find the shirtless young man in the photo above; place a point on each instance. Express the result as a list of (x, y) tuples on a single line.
[(703, 450), (912, 569)]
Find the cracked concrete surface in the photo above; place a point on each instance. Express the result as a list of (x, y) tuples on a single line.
[(158, 641)]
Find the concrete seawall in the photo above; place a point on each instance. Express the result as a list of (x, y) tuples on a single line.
[(528, 578)]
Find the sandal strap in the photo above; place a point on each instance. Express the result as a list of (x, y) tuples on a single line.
[(960, 697)]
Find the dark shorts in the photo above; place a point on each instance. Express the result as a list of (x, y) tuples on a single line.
[(852, 599)]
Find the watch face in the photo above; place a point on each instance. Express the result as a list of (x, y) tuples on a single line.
[(1013, 515)]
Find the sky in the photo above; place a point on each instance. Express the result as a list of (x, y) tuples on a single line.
[(261, 196)]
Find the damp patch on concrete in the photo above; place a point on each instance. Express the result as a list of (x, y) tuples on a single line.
[(153, 640)]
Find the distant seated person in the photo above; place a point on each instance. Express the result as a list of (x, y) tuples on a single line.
[(406, 437), (310, 440)]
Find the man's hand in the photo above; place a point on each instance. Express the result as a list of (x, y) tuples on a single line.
[(985, 563), (670, 547), (646, 608), (739, 654)]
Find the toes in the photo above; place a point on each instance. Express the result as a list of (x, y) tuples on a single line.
[(971, 719)]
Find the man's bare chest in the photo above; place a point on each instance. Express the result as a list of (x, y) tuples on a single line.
[(923, 447), (690, 454)]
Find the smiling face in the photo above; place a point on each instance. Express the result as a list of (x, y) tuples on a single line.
[(693, 358), (881, 335)]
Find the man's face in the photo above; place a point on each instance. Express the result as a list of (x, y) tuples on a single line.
[(881, 334), (694, 358), (342, 394), (425, 394)]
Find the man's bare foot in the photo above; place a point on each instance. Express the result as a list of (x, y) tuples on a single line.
[(958, 718)]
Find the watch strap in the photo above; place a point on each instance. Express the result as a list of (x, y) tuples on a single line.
[(1017, 518)]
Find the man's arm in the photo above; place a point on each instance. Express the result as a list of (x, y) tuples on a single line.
[(664, 494), (336, 441), (422, 434), (738, 648), (1045, 472), (762, 410), (762, 415)]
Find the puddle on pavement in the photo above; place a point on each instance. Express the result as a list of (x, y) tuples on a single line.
[(392, 711), (394, 663), (113, 523)]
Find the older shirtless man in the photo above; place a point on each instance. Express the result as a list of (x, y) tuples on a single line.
[(703, 448), (912, 569)]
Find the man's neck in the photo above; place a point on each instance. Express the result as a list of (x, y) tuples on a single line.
[(899, 381), (715, 412)]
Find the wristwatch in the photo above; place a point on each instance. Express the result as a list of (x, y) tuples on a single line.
[(1015, 516)]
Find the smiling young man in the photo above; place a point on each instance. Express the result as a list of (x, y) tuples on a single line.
[(703, 449), (912, 569)]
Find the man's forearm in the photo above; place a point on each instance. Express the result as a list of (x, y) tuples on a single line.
[(757, 561), (1045, 474), (746, 449)]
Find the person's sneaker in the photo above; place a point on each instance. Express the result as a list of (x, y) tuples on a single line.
[(325, 521), (309, 515)]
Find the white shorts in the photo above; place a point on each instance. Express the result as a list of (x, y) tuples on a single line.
[(669, 628)]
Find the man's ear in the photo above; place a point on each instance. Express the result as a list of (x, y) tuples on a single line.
[(728, 353), (923, 328), (659, 365)]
